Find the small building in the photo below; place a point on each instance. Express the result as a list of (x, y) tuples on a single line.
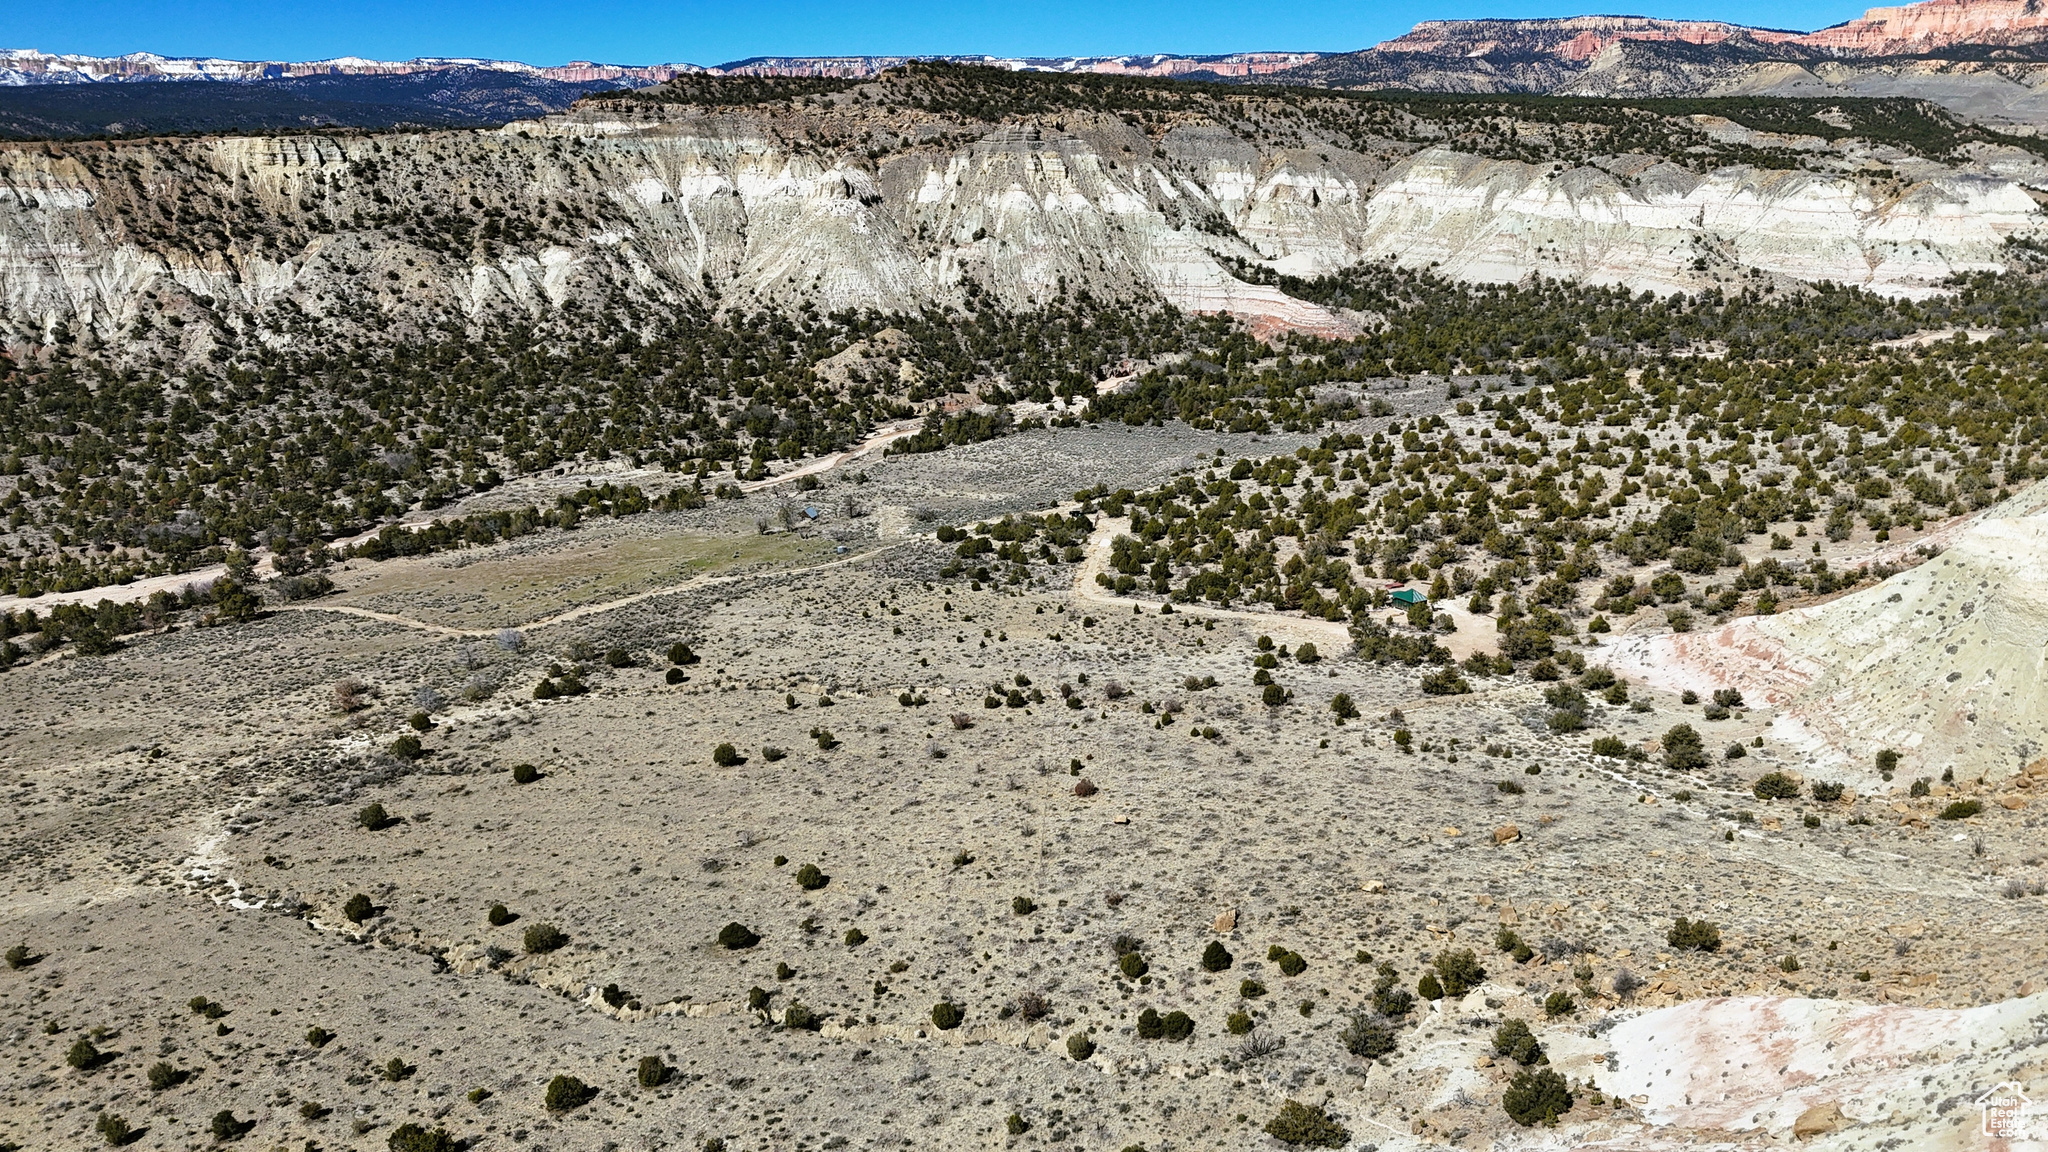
[(1407, 596)]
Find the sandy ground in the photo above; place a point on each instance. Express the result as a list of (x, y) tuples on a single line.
[(183, 823)]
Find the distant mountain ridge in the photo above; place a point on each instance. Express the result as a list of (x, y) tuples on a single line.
[(21, 67)]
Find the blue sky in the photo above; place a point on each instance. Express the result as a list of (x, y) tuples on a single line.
[(704, 32)]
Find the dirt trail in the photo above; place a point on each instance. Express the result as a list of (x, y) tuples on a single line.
[(583, 610), (144, 588)]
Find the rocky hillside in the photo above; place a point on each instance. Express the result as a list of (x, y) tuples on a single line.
[(1981, 59), (950, 187)]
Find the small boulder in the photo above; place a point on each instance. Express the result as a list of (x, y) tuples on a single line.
[(1506, 834), (1226, 920), (1819, 1120)]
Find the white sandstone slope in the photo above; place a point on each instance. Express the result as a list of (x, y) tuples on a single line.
[(1946, 662), (746, 211), (1497, 221)]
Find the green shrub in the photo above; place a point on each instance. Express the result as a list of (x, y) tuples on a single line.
[(1559, 1003), (1429, 988), (947, 1015), (407, 747), (1216, 958), (1273, 695), (1341, 705), (374, 817), (1538, 1097), (410, 1137), (420, 722), (226, 1127), (566, 1092), (1919, 788), (1023, 906), (855, 937), (1613, 746), (674, 676), (1237, 1023), (1250, 989), (318, 1037), (1301, 1124), (83, 1056), (680, 655), (618, 658), (1887, 763), (1684, 751), (1775, 786), (1506, 939), (771, 753), (1826, 791), (1961, 810), (1514, 1041), (1132, 965), (1079, 1046), (20, 957), (499, 916), (1016, 1125), (1368, 1035), (358, 908), (652, 1073), (735, 936), (810, 879), (1694, 935), (397, 1069), (113, 1129), (1149, 1027), (800, 1018), (1292, 964), (1307, 654), (1177, 1026), (726, 756), (524, 774), (544, 938), (163, 1075), (1445, 682), (1459, 971)]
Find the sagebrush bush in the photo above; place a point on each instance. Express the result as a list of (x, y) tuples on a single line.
[(947, 1015), (1079, 1046), (1537, 1097), (1684, 751), (1022, 905), (1176, 1026), (544, 938), (1250, 989), (1302, 1125), (358, 908), (726, 756), (1216, 958), (499, 916), (1237, 1023), (19, 956), (855, 937), (1559, 1003), (810, 879), (318, 1037), (1368, 1035), (1292, 964), (1694, 935), (800, 1018), (163, 1075), (373, 817), (226, 1127), (566, 1092), (1961, 809), (1826, 791), (410, 1137), (652, 1072), (83, 1055), (113, 1129), (735, 936), (407, 747), (1132, 965), (1514, 1040), (1459, 971), (1775, 786)]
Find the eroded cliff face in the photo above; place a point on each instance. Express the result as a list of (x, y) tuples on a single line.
[(171, 243)]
